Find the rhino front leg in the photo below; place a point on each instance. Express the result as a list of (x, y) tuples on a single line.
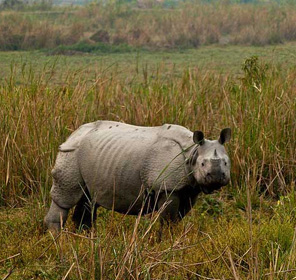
[(188, 196), (85, 212), (56, 217), (169, 207)]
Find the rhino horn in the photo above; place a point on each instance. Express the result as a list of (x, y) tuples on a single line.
[(215, 160), (215, 153)]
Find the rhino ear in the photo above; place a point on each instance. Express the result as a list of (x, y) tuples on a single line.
[(198, 137), (225, 136)]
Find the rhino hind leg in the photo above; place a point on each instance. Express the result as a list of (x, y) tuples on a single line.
[(85, 213)]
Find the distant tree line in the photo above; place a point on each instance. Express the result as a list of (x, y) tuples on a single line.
[(26, 4), (47, 4)]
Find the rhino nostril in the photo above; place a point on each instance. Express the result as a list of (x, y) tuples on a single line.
[(208, 174)]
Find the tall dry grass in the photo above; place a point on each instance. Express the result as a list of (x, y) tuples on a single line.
[(187, 25), (37, 116)]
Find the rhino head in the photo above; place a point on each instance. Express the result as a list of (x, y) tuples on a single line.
[(209, 161)]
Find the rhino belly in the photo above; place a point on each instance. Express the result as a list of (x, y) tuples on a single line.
[(110, 164)]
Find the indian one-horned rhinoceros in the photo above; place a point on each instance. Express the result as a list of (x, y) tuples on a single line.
[(134, 169)]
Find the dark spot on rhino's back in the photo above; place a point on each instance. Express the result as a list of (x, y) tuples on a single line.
[(169, 127), (110, 127)]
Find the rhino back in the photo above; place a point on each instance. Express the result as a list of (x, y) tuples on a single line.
[(73, 141)]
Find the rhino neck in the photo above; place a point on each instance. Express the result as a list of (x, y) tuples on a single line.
[(190, 155), (185, 152), (192, 188)]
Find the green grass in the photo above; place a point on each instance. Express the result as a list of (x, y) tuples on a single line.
[(245, 231), (227, 60)]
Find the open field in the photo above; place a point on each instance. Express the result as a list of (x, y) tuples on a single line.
[(245, 231)]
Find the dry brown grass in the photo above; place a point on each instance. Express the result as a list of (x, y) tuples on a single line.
[(188, 25)]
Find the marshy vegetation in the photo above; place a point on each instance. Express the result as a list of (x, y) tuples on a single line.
[(245, 231)]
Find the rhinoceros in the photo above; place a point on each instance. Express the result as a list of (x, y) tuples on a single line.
[(135, 169)]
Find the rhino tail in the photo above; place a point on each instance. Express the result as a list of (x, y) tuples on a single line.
[(66, 148)]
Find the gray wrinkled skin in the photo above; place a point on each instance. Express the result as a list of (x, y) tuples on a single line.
[(131, 169)]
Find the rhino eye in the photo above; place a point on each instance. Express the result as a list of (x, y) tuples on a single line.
[(202, 164), (225, 163)]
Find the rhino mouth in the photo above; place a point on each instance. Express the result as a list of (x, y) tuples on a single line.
[(212, 184), (210, 188)]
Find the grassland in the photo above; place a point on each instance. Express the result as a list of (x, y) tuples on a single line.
[(246, 231)]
